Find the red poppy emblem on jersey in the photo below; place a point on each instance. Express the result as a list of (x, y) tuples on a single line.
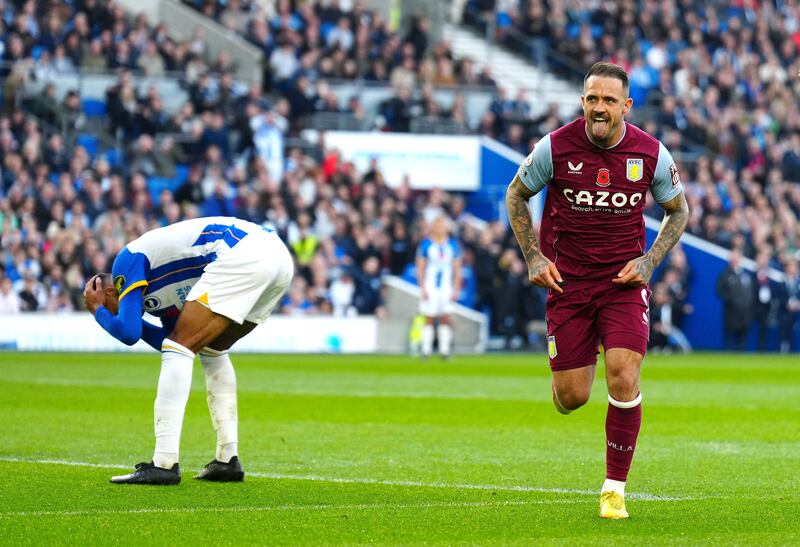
[(603, 177)]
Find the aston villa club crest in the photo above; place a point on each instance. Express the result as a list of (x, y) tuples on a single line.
[(603, 177), (635, 170), (551, 347)]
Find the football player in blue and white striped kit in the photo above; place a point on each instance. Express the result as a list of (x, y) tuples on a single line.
[(439, 277), (210, 281)]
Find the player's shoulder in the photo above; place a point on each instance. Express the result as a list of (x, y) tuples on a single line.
[(575, 126), (568, 131), (569, 139), (641, 140), (126, 257)]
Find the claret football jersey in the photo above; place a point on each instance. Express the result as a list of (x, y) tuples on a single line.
[(592, 221)]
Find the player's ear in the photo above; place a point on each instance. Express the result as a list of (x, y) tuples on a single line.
[(628, 105)]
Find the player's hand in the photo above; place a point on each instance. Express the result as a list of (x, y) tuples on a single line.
[(93, 296), (636, 273), (543, 273), (424, 293)]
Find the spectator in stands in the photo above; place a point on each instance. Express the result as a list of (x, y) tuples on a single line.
[(766, 302), (150, 61), (367, 296), (789, 311), (9, 301), (508, 312), (736, 289), (664, 332), (341, 293)]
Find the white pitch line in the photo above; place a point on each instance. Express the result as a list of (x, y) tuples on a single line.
[(312, 507), (360, 480)]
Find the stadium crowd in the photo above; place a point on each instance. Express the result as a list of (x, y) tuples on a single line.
[(715, 87), (68, 206), (714, 81)]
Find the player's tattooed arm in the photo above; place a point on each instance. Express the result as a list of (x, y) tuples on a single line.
[(541, 271), (676, 215)]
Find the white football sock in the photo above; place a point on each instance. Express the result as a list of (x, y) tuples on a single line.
[(174, 384), (613, 486), (222, 405), (445, 338), (427, 340)]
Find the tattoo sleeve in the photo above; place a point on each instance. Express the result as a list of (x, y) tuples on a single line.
[(676, 216), (517, 196)]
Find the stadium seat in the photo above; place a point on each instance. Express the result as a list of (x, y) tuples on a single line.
[(93, 108), (114, 157), (89, 142), (325, 29), (156, 184), (181, 173)]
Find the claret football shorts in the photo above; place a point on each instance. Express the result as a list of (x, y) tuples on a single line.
[(248, 281), (588, 313)]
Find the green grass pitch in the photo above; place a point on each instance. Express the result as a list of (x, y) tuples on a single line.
[(378, 449)]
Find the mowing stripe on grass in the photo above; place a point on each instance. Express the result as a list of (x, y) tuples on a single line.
[(358, 480), (358, 393), (313, 507)]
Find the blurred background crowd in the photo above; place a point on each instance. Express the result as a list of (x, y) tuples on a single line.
[(80, 177)]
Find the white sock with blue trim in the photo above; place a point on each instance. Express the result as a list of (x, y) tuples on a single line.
[(174, 384)]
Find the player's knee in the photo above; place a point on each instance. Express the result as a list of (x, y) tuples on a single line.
[(572, 400), (624, 385)]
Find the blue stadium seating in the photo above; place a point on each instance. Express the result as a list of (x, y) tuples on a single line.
[(89, 142), (114, 157), (93, 108), (156, 184), (181, 173)]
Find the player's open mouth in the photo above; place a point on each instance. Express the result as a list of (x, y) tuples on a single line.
[(599, 125)]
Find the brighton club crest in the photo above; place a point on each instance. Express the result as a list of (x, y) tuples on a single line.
[(635, 170)]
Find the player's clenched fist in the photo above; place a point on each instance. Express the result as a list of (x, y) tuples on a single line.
[(543, 273)]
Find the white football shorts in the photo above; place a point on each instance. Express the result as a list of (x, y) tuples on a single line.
[(248, 281), (438, 302)]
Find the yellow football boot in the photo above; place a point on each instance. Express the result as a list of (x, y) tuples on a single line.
[(612, 505)]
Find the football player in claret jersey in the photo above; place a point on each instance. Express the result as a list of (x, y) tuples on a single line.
[(210, 281), (591, 256), (439, 277)]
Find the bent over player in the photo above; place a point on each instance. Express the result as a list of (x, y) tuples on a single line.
[(597, 171), (211, 281)]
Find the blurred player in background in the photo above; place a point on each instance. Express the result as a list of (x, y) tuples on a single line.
[(211, 281), (439, 277), (598, 170)]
